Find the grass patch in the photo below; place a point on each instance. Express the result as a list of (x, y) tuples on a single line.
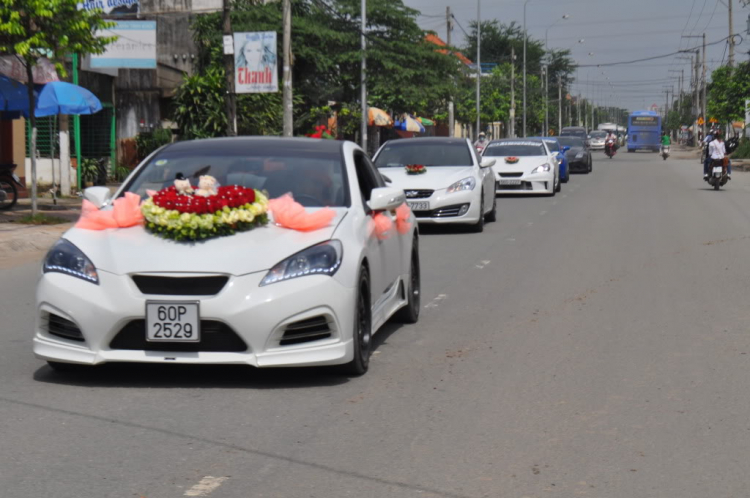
[(40, 219), (743, 151)]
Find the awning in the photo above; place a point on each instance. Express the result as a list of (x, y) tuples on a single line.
[(426, 122), (378, 117), (408, 123)]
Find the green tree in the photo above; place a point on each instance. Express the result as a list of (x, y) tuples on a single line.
[(32, 29), (729, 89), (405, 73)]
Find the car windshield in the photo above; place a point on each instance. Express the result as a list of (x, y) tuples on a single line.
[(428, 153), (598, 134), (570, 141), (573, 133), (552, 145), (315, 178), (515, 149)]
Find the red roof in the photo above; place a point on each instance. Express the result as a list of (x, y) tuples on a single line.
[(440, 43)]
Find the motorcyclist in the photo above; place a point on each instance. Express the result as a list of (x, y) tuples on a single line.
[(666, 141), (716, 153), (482, 142), (611, 141)]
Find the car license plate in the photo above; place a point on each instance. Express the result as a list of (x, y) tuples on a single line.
[(419, 206), (172, 322), (510, 182)]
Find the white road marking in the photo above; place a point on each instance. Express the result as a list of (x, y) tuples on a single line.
[(510, 240), (436, 302), (542, 213), (206, 486), (483, 264)]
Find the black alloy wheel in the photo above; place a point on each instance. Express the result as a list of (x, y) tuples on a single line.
[(491, 217), (478, 227), (362, 328), (410, 312)]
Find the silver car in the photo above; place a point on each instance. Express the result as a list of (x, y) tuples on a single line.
[(596, 139)]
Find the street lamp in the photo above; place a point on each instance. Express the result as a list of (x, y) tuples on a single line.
[(525, 36), (546, 33)]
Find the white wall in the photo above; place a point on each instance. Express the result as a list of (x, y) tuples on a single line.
[(44, 172)]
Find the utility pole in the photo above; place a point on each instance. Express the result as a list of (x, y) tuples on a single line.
[(287, 90), (230, 100), (559, 104), (512, 123), (479, 64), (705, 118), (363, 77), (545, 68), (731, 34), (451, 109), (525, 36)]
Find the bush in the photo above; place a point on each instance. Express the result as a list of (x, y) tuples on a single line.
[(743, 151), (147, 142)]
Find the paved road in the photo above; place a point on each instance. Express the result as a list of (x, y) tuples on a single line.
[(591, 344)]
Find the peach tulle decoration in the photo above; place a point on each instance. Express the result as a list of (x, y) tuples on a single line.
[(288, 213), (402, 219), (126, 213), (382, 226)]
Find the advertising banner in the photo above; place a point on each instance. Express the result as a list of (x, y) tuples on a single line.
[(255, 62), (111, 7), (135, 46)]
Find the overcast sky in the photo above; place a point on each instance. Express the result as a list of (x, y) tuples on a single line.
[(613, 31)]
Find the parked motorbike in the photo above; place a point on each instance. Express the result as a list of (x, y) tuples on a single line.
[(718, 177), (665, 152), (9, 182), (610, 149)]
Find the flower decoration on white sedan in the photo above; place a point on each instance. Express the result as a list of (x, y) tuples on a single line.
[(511, 160), (190, 217), (288, 213), (125, 212), (415, 169)]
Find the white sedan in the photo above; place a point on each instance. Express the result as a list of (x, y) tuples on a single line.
[(524, 167), (456, 186), (267, 297)]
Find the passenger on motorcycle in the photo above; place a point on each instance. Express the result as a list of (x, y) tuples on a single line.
[(717, 151), (666, 141), (482, 142), (610, 142)]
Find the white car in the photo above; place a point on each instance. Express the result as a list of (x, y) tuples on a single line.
[(456, 186), (267, 297), (597, 139), (524, 167)]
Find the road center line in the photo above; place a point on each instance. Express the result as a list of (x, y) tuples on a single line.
[(206, 486), (436, 302)]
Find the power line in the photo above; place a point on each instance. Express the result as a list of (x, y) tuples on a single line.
[(607, 64)]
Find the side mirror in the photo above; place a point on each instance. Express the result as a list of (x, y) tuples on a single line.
[(487, 163), (98, 196), (386, 198), (566, 148)]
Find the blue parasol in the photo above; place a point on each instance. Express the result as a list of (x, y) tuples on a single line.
[(59, 97), (13, 95)]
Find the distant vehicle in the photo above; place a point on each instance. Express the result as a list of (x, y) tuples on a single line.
[(559, 151), (524, 166), (596, 140), (644, 131), (579, 155), (456, 187), (575, 131)]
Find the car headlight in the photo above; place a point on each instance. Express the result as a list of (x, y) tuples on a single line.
[(321, 259), (579, 155), (66, 258), (461, 185), (541, 169)]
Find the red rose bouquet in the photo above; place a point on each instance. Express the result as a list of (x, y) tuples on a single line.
[(511, 160), (415, 169)]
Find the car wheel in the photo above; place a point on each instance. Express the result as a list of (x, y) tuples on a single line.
[(567, 176), (362, 328), (410, 312), (59, 366), (558, 188), (478, 227), (491, 217)]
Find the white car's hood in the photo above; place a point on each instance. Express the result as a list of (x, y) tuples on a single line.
[(524, 165), (436, 177), (134, 250)]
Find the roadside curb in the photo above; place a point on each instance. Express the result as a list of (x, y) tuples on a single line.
[(28, 239)]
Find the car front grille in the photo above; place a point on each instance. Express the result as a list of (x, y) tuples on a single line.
[(443, 212), (418, 194), (61, 327), (180, 286), (522, 186), (216, 337), (510, 175), (308, 330)]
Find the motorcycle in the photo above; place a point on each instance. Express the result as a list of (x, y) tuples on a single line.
[(718, 177), (479, 148), (9, 182), (610, 149), (665, 152)]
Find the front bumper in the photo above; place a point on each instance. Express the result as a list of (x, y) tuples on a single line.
[(578, 165), (259, 316), (526, 183), (444, 208), (597, 146)]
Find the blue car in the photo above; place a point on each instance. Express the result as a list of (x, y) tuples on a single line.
[(554, 146)]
